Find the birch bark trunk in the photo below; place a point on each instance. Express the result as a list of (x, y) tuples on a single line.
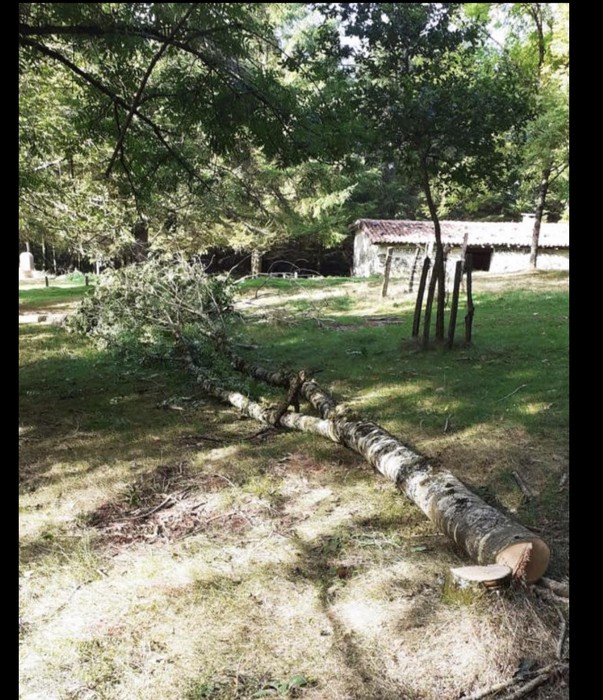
[(484, 533)]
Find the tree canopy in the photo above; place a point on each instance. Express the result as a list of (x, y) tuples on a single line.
[(183, 126)]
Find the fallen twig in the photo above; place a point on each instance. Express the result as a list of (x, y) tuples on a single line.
[(220, 476), (558, 588), (562, 635), (153, 510), (201, 437), (521, 386), (484, 692), (525, 489), (540, 677), (261, 433)]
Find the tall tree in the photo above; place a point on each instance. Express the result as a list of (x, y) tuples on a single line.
[(437, 102), (152, 100), (547, 144), (191, 123), (537, 37)]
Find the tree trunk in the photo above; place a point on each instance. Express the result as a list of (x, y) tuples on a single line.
[(483, 532), (387, 270), (141, 241), (256, 263), (54, 260), (417, 317), (439, 271), (542, 193)]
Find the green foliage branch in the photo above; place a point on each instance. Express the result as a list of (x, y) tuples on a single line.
[(157, 309)]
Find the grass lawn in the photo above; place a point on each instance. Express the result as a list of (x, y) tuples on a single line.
[(169, 549), (53, 298)]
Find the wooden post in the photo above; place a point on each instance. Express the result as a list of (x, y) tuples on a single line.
[(470, 307), (86, 280), (417, 318), (413, 269), (46, 280), (435, 280), (458, 275), (388, 267)]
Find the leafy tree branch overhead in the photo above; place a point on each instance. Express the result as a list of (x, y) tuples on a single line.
[(198, 124), (170, 96)]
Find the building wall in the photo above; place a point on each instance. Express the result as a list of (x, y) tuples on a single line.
[(369, 259), (365, 256)]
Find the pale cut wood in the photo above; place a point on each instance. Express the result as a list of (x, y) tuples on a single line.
[(490, 576)]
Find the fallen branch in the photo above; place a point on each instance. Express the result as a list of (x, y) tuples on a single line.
[(525, 489), (545, 594), (558, 588), (541, 676), (487, 535)]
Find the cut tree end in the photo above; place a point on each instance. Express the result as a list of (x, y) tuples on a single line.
[(492, 576), (528, 559)]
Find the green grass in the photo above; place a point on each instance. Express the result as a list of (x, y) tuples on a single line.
[(50, 298), (292, 285), (515, 372)]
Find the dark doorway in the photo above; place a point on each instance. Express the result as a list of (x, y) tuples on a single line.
[(481, 257)]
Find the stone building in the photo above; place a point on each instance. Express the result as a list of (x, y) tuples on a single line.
[(495, 246)]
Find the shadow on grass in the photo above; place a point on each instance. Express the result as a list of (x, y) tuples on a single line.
[(318, 564), (79, 406)]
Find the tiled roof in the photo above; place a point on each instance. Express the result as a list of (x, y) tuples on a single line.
[(484, 233)]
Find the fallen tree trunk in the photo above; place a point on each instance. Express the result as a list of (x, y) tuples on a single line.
[(484, 533)]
